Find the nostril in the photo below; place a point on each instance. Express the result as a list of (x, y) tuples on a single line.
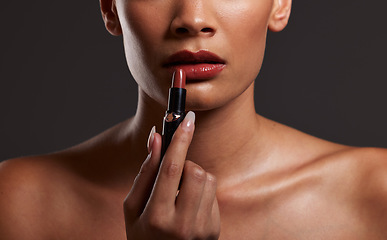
[(181, 30), (188, 31), (207, 30)]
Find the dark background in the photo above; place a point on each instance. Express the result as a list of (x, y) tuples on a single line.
[(64, 79)]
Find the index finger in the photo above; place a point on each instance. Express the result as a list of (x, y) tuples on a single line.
[(168, 179)]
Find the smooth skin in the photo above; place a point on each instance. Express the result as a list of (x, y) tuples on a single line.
[(244, 176)]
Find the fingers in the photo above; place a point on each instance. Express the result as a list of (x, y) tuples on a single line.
[(142, 187), (191, 191), (208, 216), (167, 182), (152, 208), (196, 204), (208, 198)]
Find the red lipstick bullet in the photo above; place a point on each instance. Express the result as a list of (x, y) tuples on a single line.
[(178, 79)]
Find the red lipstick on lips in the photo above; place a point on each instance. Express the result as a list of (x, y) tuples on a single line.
[(199, 65), (176, 109)]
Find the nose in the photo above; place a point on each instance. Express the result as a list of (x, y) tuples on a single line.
[(193, 18)]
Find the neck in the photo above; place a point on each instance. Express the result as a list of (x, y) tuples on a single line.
[(226, 141)]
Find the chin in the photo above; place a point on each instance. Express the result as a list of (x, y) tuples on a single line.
[(213, 95), (206, 101)]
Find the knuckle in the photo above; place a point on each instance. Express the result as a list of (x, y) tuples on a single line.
[(171, 168), (199, 175), (211, 180), (195, 171)]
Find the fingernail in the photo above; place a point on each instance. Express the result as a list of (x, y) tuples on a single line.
[(189, 121), (151, 138)]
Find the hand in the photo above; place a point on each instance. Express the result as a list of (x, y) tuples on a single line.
[(155, 209)]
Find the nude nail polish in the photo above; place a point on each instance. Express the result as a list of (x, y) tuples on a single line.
[(151, 138), (189, 120)]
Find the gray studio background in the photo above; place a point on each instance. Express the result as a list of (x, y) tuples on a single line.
[(63, 78)]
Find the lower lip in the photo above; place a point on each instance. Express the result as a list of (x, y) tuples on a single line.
[(201, 71)]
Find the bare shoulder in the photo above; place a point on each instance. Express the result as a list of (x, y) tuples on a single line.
[(369, 166), (26, 185), (22, 176), (48, 196), (359, 177), (45, 197), (363, 163), (353, 176)]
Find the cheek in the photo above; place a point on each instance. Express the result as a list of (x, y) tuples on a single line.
[(247, 29), (142, 40), (138, 19), (141, 35)]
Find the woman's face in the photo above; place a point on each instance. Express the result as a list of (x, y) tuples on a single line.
[(234, 30)]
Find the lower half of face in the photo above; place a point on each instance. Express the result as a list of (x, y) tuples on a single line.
[(234, 30)]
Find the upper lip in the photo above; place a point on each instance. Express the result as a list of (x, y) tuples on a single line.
[(188, 57)]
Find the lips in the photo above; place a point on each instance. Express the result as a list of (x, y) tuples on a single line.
[(199, 65)]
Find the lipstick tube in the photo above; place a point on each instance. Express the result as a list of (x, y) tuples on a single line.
[(176, 109)]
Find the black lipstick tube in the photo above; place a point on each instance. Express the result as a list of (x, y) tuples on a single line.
[(176, 109)]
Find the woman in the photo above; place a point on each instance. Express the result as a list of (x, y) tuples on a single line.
[(246, 177)]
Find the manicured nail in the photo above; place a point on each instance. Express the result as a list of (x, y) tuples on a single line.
[(189, 121), (151, 138)]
